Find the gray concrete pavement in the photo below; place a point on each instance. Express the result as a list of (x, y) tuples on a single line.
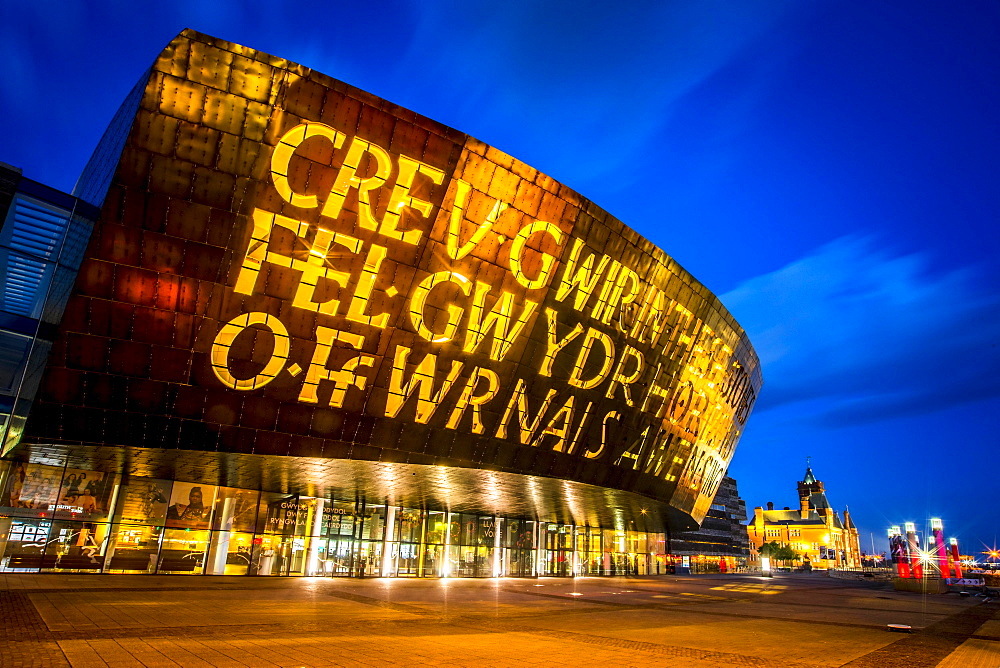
[(791, 620)]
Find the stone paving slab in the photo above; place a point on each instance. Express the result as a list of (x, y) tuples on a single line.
[(796, 621), (828, 645), (990, 631), (973, 654)]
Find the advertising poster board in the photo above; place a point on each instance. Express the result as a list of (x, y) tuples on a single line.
[(190, 505)]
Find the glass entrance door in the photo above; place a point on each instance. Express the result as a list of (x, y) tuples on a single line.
[(341, 555), (520, 540)]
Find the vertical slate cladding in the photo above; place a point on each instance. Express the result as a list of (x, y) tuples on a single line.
[(286, 265), (723, 532)]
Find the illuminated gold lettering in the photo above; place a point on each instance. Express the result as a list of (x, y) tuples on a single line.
[(619, 299), (224, 341), (641, 324), (716, 434), (653, 319), (700, 352), (720, 362), (695, 469), (693, 416), (343, 378), (655, 391), (256, 252), (679, 453), (619, 377), (711, 479), (421, 382), (401, 197), (681, 321), (613, 415), (359, 303), (314, 268), (634, 451), (579, 429), (348, 377), (735, 383), (419, 300), (517, 252), (697, 466), (519, 402), (282, 156), (462, 191), (559, 425), (593, 336), (729, 444), (497, 321), (470, 397), (604, 302), (657, 456), (553, 344), (348, 178), (747, 399), (680, 401), (583, 277)]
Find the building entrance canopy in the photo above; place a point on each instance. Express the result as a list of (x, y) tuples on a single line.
[(60, 518), (456, 489)]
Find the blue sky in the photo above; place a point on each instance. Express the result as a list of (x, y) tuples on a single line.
[(828, 168)]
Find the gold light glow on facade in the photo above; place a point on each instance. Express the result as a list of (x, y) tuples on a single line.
[(347, 178), (419, 301), (282, 156), (602, 287), (496, 321), (548, 261), (224, 341), (455, 251), (468, 292), (343, 379)]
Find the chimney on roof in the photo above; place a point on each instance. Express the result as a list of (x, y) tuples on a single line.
[(770, 505), (804, 506)]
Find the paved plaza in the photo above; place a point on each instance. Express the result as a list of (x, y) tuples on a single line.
[(789, 621)]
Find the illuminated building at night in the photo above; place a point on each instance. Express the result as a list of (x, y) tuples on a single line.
[(815, 530), (313, 333)]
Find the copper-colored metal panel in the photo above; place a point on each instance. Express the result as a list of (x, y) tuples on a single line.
[(294, 274)]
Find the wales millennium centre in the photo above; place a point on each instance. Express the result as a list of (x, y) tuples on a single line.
[(285, 327)]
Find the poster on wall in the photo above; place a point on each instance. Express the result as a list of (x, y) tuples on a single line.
[(85, 494), (145, 501), (190, 505), (32, 486)]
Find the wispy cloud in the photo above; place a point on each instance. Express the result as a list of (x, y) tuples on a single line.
[(856, 333), (590, 86)]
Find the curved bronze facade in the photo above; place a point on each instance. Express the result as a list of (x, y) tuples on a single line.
[(289, 267)]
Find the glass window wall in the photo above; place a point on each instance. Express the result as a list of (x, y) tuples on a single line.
[(56, 519)]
